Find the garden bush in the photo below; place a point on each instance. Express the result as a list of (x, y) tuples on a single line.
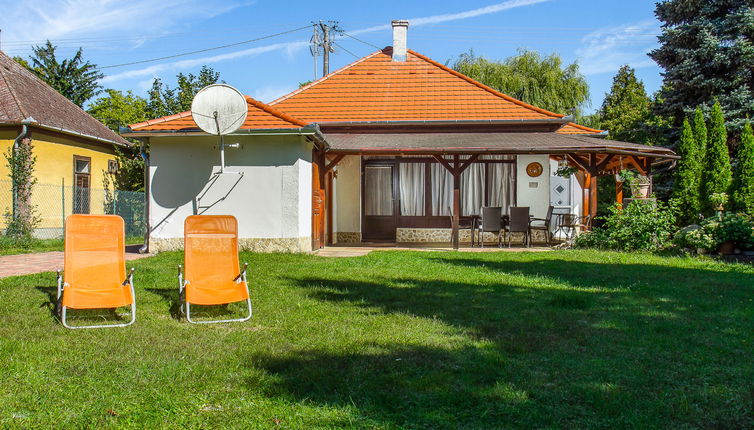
[(713, 231), (643, 225)]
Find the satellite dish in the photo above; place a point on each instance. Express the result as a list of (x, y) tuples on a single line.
[(219, 109)]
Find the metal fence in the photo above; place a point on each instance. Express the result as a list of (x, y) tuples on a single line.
[(53, 203)]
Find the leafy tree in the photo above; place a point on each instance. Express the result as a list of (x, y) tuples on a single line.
[(116, 110), (164, 100), (544, 82), (743, 175), (706, 49), (625, 109), (700, 134), (716, 176), (686, 185), (74, 78)]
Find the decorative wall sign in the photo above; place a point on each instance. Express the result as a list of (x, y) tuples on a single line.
[(534, 169)]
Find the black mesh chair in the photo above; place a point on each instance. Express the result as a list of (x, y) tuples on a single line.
[(491, 222), (570, 224), (519, 222), (543, 224)]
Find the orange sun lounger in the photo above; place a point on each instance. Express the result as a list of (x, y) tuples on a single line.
[(95, 267), (211, 264)]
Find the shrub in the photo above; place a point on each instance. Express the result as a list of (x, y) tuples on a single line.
[(695, 237), (738, 228), (645, 225)]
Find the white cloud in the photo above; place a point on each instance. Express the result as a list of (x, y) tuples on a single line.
[(436, 19), (66, 19), (607, 49), (187, 64), (293, 47)]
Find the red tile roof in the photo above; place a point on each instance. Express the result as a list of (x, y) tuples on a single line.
[(259, 116), (573, 128), (24, 95), (375, 88)]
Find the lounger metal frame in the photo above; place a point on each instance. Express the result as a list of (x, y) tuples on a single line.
[(63, 311), (186, 306)]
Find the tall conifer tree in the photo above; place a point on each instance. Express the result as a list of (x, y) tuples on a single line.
[(716, 177), (686, 185), (743, 176)]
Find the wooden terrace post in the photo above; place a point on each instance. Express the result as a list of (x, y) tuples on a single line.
[(456, 202), (593, 198), (619, 193)]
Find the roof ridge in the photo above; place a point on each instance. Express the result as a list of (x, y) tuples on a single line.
[(485, 87), (264, 107), (272, 111), (82, 120), (160, 120), (324, 78), (585, 128)]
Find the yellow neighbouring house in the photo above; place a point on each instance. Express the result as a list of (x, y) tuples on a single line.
[(73, 150)]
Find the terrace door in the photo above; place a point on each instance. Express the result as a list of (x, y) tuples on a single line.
[(379, 202)]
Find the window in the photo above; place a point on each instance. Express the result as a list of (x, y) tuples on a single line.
[(81, 184), (112, 166), (81, 165), (411, 183)]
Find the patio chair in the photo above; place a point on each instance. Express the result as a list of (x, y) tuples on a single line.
[(570, 224), (544, 224), (519, 222), (491, 222), (212, 275), (94, 268)]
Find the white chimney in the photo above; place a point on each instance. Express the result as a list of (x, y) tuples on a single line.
[(400, 29)]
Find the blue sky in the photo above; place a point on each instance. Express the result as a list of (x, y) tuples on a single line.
[(600, 35)]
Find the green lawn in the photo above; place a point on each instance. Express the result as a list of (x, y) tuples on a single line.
[(10, 247), (570, 339)]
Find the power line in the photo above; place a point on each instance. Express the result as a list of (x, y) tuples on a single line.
[(206, 49), (344, 49), (359, 40)]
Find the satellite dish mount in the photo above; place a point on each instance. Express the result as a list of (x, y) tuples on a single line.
[(220, 109)]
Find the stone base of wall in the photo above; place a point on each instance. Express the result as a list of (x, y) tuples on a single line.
[(347, 237), (443, 235), (264, 245)]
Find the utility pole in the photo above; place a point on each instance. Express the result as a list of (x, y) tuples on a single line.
[(323, 44), (327, 46)]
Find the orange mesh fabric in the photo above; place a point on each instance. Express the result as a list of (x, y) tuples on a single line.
[(211, 260), (95, 262)]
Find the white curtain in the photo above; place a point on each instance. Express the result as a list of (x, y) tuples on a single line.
[(472, 189), (378, 193), (442, 190), (411, 188), (502, 185)]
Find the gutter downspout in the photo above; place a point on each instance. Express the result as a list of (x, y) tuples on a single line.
[(16, 142), (145, 247)]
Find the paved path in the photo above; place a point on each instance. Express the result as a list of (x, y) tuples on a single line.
[(359, 250), (26, 264)]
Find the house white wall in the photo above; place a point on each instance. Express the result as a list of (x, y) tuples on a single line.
[(347, 200), (533, 192), (271, 200)]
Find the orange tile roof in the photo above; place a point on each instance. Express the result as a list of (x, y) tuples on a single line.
[(259, 116), (375, 88), (573, 128)]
